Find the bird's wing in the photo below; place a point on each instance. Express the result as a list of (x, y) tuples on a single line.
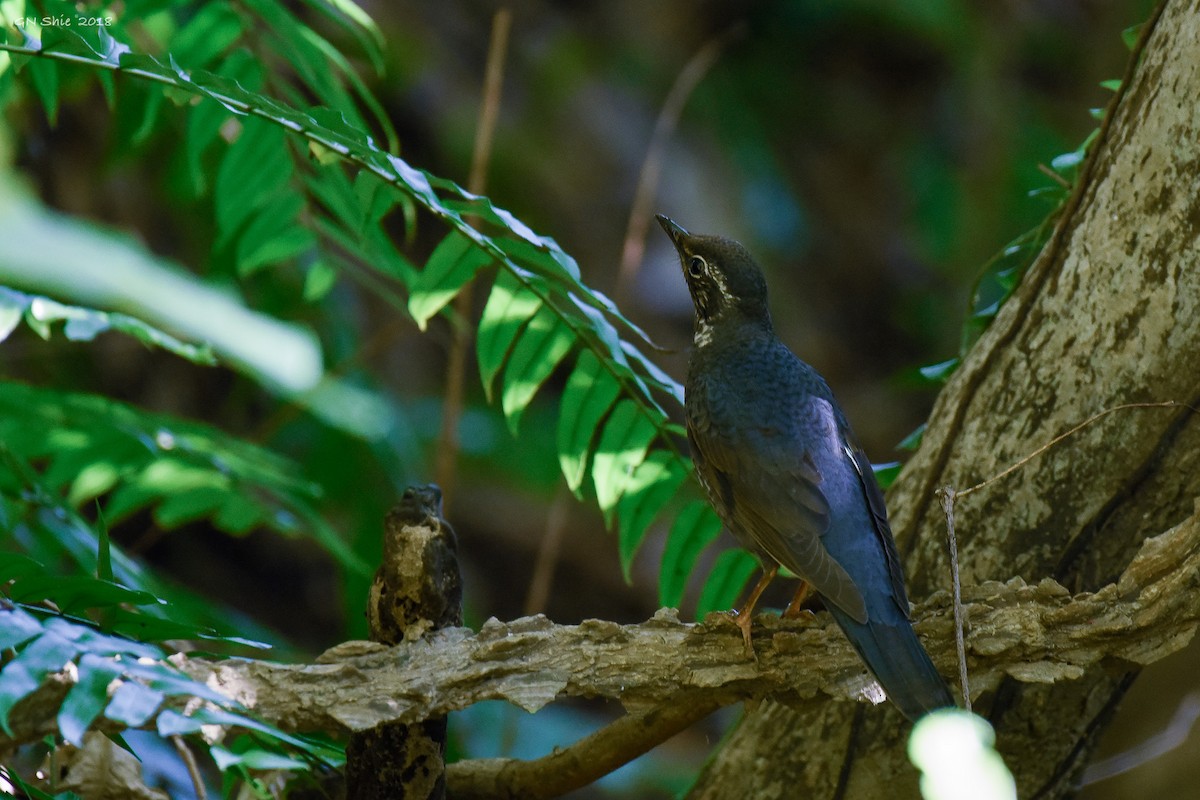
[(878, 509), (772, 489)]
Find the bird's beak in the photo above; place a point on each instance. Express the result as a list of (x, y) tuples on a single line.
[(673, 229)]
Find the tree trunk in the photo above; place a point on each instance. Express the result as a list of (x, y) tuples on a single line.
[(1109, 314)]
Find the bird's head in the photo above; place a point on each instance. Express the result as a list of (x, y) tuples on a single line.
[(725, 284)]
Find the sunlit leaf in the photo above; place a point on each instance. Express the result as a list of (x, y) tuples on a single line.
[(652, 484), (542, 345), (453, 262), (623, 443), (319, 279), (508, 309), (589, 394)]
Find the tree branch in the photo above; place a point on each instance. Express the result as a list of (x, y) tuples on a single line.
[(580, 764), (1034, 633)]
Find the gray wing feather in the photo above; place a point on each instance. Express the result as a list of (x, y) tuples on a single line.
[(786, 525)]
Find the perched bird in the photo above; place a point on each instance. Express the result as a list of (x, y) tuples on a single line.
[(781, 467)]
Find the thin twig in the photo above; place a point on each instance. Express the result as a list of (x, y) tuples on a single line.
[(1054, 176), (647, 186), (581, 763), (1061, 436), (547, 556), (947, 495), (489, 112), (189, 761)]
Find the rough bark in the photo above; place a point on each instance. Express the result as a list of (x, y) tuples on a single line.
[(1108, 314), (417, 589), (1034, 633)]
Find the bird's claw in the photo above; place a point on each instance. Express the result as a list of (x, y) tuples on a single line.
[(744, 621)]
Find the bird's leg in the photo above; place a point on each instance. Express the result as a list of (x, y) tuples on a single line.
[(794, 608), (744, 619)]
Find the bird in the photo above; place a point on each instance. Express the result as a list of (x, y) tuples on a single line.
[(782, 469)]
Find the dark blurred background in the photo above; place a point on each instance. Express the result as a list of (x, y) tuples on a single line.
[(872, 155)]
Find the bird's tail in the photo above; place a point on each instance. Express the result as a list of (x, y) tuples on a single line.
[(893, 653)]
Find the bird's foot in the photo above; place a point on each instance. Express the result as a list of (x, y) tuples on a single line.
[(795, 608), (743, 620)]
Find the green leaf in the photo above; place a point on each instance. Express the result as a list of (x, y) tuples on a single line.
[(623, 443), (1113, 84), (16, 625), (355, 20), (589, 394), (534, 272), (651, 486), (45, 82), (256, 758), (453, 263), (1067, 160), (48, 653), (83, 324), (185, 468), (91, 481), (212, 30), (133, 704), (87, 698), (319, 279), (254, 170), (206, 118), (172, 723), (272, 235), (695, 528), (542, 345), (939, 373), (886, 474), (1131, 35), (143, 627), (90, 640), (171, 682), (75, 593), (911, 442), (726, 580), (375, 198), (189, 505), (509, 308)]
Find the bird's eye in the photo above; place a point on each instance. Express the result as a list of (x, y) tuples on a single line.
[(696, 266)]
